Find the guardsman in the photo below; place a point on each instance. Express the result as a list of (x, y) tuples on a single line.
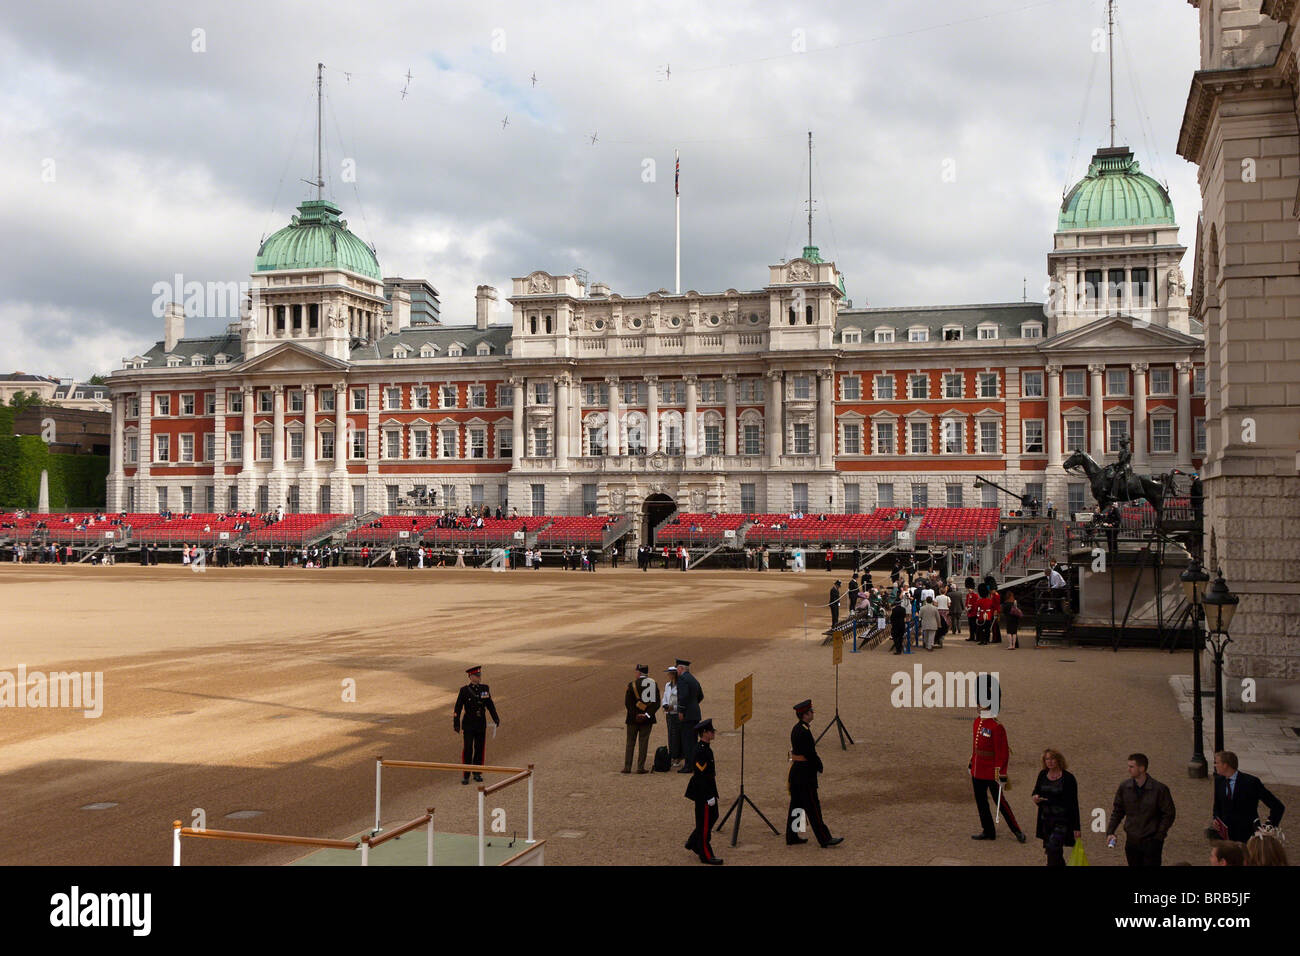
[(990, 755), (689, 697), (805, 765), (703, 789), (474, 699)]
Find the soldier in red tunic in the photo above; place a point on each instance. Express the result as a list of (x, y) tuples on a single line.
[(990, 755)]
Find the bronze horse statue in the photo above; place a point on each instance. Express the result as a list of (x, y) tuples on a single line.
[(1117, 482)]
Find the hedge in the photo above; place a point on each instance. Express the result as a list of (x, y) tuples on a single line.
[(76, 481)]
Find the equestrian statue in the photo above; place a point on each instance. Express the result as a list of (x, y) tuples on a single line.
[(1117, 482)]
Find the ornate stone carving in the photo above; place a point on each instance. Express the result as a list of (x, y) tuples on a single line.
[(729, 378), (562, 379), (653, 380), (1053, 369), (1140, 367), (1097, 368), (246, 390), (699, 498), (1185, 367), (539, 283), (658, 461), (773, 375), (825, 373), (617, 497), (277, 389), (514, 381), (690, 378), (611, 380), (1176, 283), (336, 319), (800, 271)]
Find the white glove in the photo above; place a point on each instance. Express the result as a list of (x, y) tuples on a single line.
[(712, 801)]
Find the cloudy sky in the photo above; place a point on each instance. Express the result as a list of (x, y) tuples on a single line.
[(146, 140)]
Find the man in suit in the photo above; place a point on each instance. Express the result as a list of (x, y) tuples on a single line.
[(835, 603), (703, 790), (1237, 797), (474, 699), (689, 697), (853, 593), (641, 701), (805, 765)]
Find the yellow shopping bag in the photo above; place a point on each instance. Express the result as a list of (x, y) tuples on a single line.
[(1077, 856)]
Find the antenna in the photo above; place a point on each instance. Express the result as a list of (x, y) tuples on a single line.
[(810, 199), (319, 181), (1110, 49)]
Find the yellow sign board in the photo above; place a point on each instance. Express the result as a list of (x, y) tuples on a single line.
[(744, 701), (837, 656)]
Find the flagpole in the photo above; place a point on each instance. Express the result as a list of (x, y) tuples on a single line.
[(677, 190)]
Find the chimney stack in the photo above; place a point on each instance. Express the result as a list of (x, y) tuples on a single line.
[(483, 300), (173, 326)]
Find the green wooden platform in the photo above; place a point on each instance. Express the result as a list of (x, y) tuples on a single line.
[(411, 849)]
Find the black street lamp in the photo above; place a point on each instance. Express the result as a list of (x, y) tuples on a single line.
[(1194, 581), (1220, 606)]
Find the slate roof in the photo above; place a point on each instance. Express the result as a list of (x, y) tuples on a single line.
[(1008, 317), (497, 336), (207, 346)]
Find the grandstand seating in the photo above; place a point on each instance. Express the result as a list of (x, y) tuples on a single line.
[(384, 529), (699, 529), (957, 524), (196, 529), (494, 531), (296, 529), (816, 530), (566, 531)]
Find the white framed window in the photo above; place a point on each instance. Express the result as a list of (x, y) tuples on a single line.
[(359, 402), (235, 402), (325, 399), (952, 333), (952, 384), (1031, 330), (802, 435), (505, 396), (884, 336), (850, 388), (1034, 443), (327, 445), (1198, 436), (989, 444), (1198, 380), (295, 445), (918, 335), (987, 332), (1161, 381), (478, 396), (132, 449), (133, 407), (174, 361), (505, 442), (1116, 431), (265, 401), (852, 498), (885, 494), (954, 436), (920, 495), (634, 393), (162, 448), (918, 386), (988, 384), (885, 438), (358, 444), (751, 435), (420, 443), (802, 387), (750, 391), (209, 446), (392, 397), (712, 439), (187, 404), (1076, 434), (265, 446), (235, 442), (478, 443), (884, 388), (851, 336), (1032, 383), (162, 405), (953, 495), (1116, 381), (209, 403), (541, 393), (1162, 435), (799, 495), (447, 443), (706, 391), (918, 434), (483, 349), (420, 396), (541, 442), (297, 400), (1074, 383), (595, 394), (455, 350), (852, 444), (428, 351), (392, 443)]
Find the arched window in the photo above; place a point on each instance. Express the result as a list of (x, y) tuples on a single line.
[(548, 325), (808, 314), (532, 325), (794, 316)]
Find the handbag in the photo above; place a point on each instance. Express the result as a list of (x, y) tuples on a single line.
[(1077, 856)]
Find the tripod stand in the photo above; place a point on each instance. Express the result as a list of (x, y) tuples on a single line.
[(742, 798), (835, 721)]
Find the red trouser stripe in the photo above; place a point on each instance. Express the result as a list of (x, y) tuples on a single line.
[(705, 834)]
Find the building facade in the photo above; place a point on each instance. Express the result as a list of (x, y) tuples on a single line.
[(1240, 129), (332, 394)]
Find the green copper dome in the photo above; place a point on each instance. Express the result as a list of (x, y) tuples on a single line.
[(317, 238), (1115, 193)]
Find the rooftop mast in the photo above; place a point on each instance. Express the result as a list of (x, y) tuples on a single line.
[(810, 199), (1110, 49)]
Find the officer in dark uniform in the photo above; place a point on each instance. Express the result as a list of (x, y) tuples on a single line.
[(474, 699), (703, 789), (805, 765)]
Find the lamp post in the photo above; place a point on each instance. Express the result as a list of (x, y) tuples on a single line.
[(1220, 606), (1194, 581)]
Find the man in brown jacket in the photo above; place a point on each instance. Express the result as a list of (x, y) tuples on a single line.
[(1146, 808), (641, 701)]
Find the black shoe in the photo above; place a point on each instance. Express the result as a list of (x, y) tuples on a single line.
[(1021, 836), (625, 771), (716, 861), (794, 841), (643, 770), (984, 836), (478, 778), (685, 770), (833, 841), (690, 845), (464, 782)]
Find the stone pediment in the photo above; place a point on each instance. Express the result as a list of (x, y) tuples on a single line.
[(1120, 332), (290, 357)]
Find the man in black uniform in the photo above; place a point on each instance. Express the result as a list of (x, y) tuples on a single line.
[(703, 789), (835, 603), (689, 697), (805, 765), (474, 699)]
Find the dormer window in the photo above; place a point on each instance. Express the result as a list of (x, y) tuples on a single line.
[(987, 332), (952, 333), (455, 350), (851, 336), (174, 361), (918, 335), (400, 352), (884, 336), (483, 349), (196, 360), (220, 358), (1031, 330), (428, 351)]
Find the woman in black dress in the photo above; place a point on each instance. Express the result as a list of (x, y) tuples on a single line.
[(1057, 795)]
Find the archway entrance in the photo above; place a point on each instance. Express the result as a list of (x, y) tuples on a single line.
[(657, 507)]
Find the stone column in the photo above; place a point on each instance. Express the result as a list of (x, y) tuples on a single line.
[(277, 438), (119, 438), (1053, 416), (1096, 421), (341, 437), (562, 420), (825, 417), (729, 446), (250, 437), (613, 440), (309, 435), (1185, 450), (775, 430), (517, 385), (652, 413), (689, 426), (1139, 414)]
